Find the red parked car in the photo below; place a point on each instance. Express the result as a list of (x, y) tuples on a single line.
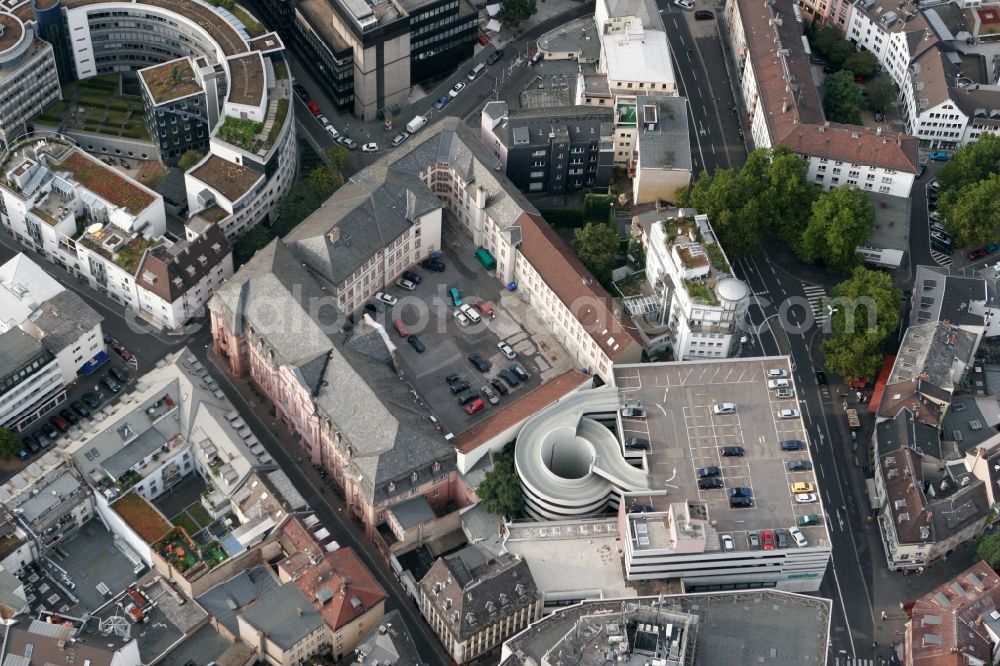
[(314, 108), (768, 539), (475, 406), (60, 423), (401, 328), (977, 254)]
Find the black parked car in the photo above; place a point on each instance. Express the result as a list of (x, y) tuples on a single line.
[(466, 397), (119, 375), (494, 57), (49, 430), (31, 443), (499, 386), (637, 443), (710, 484), (79, 408), (458, 387), (519, 371), (740, 502), (799, 465), (508, 377), (706, 472), (741, 491), (821, 378), (416, 343), (412, 277), (92, 400), (69, 416), (732, 451), (452, 378), (482, 365), (109, 383), (433, 265)]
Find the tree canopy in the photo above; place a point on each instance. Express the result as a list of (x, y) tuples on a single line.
[(861, 63), (10, 444), (515, 11), (596, 244), (970, 187), (881, 93), (769, 194), (500, 491), (988, 548), (840, 221), (830, 43), (842, 99), (866, 312)]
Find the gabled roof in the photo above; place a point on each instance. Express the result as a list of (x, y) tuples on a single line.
[(169, 272), (470, 592), (950, 624)]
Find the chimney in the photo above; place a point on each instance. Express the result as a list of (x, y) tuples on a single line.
[(481, 196)]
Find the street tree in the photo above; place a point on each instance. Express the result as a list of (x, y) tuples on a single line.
[(862, 63), (515, 11), (866, 312), (596, 244), (500, 490), (189, 159), (322, 180), (842, 99), (338, 156), (10, 444), (988, 548), (971, 214), (881, 93), (974, 162), (840, 221)]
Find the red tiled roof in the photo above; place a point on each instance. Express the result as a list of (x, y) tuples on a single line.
[(794, 112), (514, 412), (566, 275), (947, 627), (340, 575)]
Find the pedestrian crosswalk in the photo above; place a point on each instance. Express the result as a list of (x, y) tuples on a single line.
[(941, 258), (816, 295), (847, 661)]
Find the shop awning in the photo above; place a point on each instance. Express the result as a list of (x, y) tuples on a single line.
[(93, 364)]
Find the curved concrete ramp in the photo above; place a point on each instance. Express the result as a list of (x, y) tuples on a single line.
[(569, 464)]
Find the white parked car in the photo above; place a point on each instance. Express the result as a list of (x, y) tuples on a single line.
[(724, 408), (507, 350), (388, 299), (460, 318), (370, 147), (777, 383), (405, 284), (806, 498), (788, 413), (797, 537), (684, 4), (324, 120), (728, 545), (332, 131), (457, 88), (776, 373)]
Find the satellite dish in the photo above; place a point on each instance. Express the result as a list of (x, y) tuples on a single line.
[(94, 228)]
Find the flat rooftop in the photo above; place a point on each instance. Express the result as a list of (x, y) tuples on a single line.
[(169, 81), (229, 179), (685, 435), (745, 627)]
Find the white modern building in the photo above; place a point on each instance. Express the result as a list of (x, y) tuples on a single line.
[(784, 108), (35, 302), (28, 76), (30, 380), (238, 80), (108, 230), (696, 305)]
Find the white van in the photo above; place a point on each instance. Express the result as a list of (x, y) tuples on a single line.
[(415, 124), (476, 72), (471, 313)]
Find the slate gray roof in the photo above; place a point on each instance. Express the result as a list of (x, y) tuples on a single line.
[(412, 512), (16, 349), (144, 445), (646, 10), (362, 218), (939, 295), (285, 615), (388, 643), (225, 600), (482, 594), (580, 124), (63, 319), (668, 146), (903, 431), (387, 436)]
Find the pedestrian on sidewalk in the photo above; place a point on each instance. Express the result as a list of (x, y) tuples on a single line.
[(883, 616)]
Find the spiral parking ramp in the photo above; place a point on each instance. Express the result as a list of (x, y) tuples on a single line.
[(569, 463)]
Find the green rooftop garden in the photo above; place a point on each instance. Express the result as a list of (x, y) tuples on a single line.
[(97, 106), (700, 293), (279, 120), (240, 132), (177, 548), (254, 28), (129, 255), (141, 517)]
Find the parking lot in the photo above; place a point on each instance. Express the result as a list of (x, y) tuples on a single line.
[(686, 434), (428, 311)]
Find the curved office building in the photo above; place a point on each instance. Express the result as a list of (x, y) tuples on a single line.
[(207, 86), (570, 463)]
